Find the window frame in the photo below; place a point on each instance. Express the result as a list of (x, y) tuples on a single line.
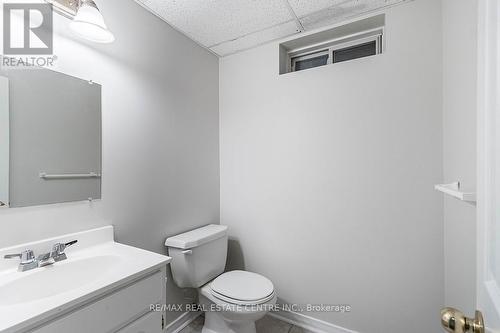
[(329, 47), (310, 55)]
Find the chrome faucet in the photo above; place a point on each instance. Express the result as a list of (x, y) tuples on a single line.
[(29, 262), (45, 260)]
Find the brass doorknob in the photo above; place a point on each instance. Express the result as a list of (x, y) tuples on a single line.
[(454, 321)]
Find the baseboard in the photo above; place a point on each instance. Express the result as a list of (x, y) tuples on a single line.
[(309, 323), (185, 319), (294, 318)]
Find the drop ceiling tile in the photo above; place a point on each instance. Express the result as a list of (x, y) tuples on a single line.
[(246, 42), (343, 10), (305, 7), (212, 22), (228, 26)]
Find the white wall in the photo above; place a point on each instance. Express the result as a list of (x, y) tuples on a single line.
[(327, 176), (459, 110), (160, 135), (4, 141)]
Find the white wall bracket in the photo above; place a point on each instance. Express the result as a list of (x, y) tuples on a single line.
[(455, 191)]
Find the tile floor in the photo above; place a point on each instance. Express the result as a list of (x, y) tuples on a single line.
[(267, 324)]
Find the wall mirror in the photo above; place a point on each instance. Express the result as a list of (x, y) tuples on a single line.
[(50, 138)]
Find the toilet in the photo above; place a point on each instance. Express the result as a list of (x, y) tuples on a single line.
[(233, 300)]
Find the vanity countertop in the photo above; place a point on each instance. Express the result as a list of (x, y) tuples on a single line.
[(97, 265)]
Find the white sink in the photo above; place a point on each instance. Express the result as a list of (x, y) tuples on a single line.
[(95, 265), (51, 281)]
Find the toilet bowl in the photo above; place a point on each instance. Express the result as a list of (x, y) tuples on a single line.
[(235, 301), (232, 301)]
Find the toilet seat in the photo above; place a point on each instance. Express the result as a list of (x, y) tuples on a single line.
[(242, 288)]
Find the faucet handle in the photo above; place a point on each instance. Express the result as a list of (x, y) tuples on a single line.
[(27, 256), (58, 250), (28, 260), (73, 242)]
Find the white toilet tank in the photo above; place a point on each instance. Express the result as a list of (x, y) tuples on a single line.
[(198, 256)]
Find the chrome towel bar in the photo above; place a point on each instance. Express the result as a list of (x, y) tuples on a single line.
[(47, 176)]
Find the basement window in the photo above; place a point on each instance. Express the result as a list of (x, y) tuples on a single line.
[(335, 52), (354, 40)]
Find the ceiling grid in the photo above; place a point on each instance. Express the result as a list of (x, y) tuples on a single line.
[(300, 27), (229, 26)]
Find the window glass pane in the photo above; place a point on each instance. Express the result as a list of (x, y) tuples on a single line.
[(354, 52), (312, 62)]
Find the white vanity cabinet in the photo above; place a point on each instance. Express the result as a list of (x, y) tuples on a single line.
[(125, 309), (102, 287)]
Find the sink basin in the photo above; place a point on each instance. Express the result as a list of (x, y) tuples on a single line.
[(96, 266), (50, 281)]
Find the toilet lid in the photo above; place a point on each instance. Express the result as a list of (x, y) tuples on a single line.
[(243, 286)]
